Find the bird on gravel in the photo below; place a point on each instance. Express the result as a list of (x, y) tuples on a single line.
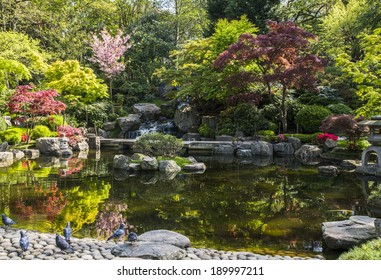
[(132, 237), (24, 241), (6, 220), (63, 245), (67, 232), (118, 233)]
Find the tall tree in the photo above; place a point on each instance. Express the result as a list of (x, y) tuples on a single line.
[(280, 60), (194, 72), (107, 52), (366, 73), (257, 11), (190, 18)]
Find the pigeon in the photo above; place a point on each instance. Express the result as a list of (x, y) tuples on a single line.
[(132, 237), (67, 232), (118, 233), (24, 241), (63, 245), (6, 220)]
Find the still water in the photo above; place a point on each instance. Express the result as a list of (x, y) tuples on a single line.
[(236, 206)]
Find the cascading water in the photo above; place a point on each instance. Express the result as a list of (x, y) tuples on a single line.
[(166, 127)]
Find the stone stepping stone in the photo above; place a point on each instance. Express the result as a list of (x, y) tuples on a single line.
[(165, 236)]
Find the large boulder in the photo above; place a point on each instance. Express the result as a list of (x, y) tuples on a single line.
[(121, 162), (81, 146), (329, 144), (48, 145), (165, 236), (295, 142), (6, 159), (186, 118), (149, 250), (343, 235), (244, 153), (308, 152), (157, 245), (147, 111), (131, 122), (283, 149), (169, 167), (149, 163), (262, 148)]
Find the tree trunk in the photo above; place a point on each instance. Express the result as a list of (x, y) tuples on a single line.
[(283, 116), (110, 93)]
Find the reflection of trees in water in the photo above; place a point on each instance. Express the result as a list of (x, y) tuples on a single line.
[(82, 205), (247, 206), (109, 218)]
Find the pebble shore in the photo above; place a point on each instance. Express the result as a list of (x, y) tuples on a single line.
[(42, 247)]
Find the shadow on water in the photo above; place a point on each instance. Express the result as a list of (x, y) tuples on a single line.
[(245, 205)]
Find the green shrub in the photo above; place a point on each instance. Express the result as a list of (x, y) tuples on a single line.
[(52, 122), (370, 250), (12, 135), (339, 108), (40, 131), (3, 124), (206, 131), (244, 117), (90, 115), (266, 133), (310, 117), (305, 138), (158, 144)]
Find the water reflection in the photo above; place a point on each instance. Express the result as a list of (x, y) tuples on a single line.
[(232, 206)]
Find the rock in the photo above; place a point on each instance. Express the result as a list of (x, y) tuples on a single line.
[(81, 146), (329, 144), (343, 235), (17, 154), (108, 126), (147, 111), (308, 154), (186, 118), (197, 167), (165, 236), (244, 153), (169, 167), (283, 149), (295, 142), (48, 145), (227, 138), (8, 120), (6, 159), (328, 170), (149, 163), (94, 142), (121, 162), (191, 137), (131, 122), (349, 164), (262, 148), (149, 250), (32, 153), (224, 149), (134, 167), (137, 156), (4, 146)]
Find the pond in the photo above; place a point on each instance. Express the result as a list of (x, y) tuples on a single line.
[(234, 205)]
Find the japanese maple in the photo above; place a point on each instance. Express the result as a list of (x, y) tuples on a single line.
[(108, 51), (34, 104), (280, 60)]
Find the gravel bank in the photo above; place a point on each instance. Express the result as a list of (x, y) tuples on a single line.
[(42, 247)]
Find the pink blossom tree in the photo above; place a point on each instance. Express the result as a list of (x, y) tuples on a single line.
[(34, 104), (107, 52)]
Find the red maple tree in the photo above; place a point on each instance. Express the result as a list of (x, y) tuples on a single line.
[(34, 104), (281, 61)]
